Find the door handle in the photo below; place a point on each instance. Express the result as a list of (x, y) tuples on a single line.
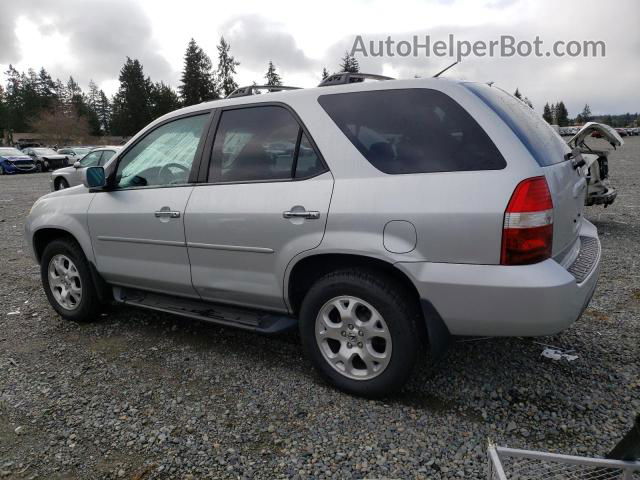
[(167, 214), (311, 215)]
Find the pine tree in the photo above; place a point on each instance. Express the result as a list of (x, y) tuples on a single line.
[(517, 94), (562, 115), (349, 63), (131, 104), (272, 77), (586, 113), (163, 100), (226, 68), (103, 110), (547, 114), (325, 73), (197, 80), (46, 90), (14, 104), (91, 101)]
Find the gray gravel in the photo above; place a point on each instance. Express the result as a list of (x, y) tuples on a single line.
[(146, 395)]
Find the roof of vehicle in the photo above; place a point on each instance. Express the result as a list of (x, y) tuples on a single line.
[(297, 93)]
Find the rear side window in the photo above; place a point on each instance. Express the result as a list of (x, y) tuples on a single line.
[(261, 143), (412, 131), (542, 141)]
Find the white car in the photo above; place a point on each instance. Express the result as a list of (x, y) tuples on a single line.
[(71, 176)]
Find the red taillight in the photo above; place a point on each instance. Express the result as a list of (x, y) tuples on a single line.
[(527, 232)]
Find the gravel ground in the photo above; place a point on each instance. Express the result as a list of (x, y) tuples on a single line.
[(146, 395)]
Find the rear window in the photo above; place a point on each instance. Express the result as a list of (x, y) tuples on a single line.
[(542, 141), (412, 131)]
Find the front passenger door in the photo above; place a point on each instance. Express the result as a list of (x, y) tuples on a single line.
[(137, 226)]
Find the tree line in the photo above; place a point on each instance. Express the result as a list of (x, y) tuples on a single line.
[(63, 112)]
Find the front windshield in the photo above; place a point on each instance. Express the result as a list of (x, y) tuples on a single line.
[(81, 151), (45, 151), (10, 151)]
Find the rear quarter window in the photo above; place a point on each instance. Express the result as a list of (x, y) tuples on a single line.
[(412, 131), (542, 141)]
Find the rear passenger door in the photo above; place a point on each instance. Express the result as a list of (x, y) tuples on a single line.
[(265, 199)]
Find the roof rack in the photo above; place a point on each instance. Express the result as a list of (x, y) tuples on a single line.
[(249, 90), (343, 78)]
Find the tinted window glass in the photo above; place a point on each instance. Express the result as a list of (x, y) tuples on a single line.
[(309, 163), (164, 156), (91, 159), (412, 131), (256, 143), (544, 144)]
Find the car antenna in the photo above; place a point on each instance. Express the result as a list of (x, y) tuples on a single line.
[(444, 70)]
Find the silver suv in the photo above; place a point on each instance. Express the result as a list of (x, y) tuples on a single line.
[(378, 218)]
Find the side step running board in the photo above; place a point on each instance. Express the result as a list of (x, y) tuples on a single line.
[(256, 321)]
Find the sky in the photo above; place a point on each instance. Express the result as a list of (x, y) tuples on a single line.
[(90, 40)]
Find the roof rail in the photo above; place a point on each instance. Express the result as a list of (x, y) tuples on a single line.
[(343, 78), (249, 90)]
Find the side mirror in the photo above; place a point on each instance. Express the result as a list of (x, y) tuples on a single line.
[(94, 178), (76, 165)]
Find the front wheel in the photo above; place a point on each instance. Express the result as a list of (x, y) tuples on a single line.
[(359, 331), (61, 184), (67, 281), (38, 167), (1, 170)]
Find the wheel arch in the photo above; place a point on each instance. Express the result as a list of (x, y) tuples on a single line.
[(309, 269)]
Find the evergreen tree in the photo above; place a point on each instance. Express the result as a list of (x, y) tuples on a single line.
[(197, 80), (226, 68), (562, 115), (272, 77), (14, 104), (586, 113), (92, 99), (103, 110), (349, 63), (325, 73), (547, 114), (3, 116), (517, 94), (163, 100), (131, 109)]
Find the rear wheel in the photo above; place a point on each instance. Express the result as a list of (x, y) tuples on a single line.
[(61, 184), (359, 331), (38, 167), (67, 281), (1, 170)]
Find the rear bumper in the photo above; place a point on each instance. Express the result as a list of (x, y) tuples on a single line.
[(606, 198), (495, 300)]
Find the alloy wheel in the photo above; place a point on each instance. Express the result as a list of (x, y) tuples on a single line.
[(353, 337), (65, 282)]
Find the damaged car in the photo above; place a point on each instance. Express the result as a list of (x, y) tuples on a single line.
[(13, 160), (596, 162), (46, 159)]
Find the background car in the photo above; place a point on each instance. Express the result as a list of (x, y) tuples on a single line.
[(46, 158), (71, 176), (622, 132), (13, 160), (74, 153)]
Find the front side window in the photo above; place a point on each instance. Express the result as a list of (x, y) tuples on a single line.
[(412, 131), (164, 156), (91, 159), (260, 144)]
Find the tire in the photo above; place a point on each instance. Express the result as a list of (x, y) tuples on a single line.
[(1, 170), (328, 332), (61, 255), (39, 167), (61, 184)]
